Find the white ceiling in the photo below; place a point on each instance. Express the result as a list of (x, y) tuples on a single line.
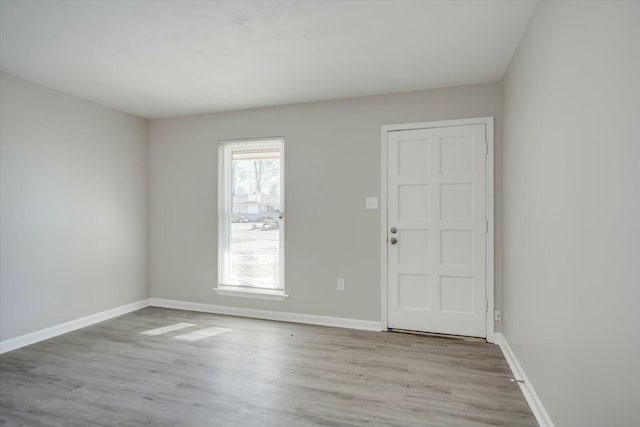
[(171, 58)]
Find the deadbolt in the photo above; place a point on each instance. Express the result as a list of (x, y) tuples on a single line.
[(394, 230), (393, 240)]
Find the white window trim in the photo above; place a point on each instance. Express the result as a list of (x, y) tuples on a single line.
[(257, 293), (224, 196)]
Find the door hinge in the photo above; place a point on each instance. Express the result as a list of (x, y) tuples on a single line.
[(486, 226), (486, 147), (486, 305)]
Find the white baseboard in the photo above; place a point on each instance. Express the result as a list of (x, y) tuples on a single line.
[(369, 325), (281, 316), (527, 388), (45, 334), (53, 331)]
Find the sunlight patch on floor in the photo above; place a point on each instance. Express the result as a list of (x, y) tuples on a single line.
[(165, 329), (202, 333)]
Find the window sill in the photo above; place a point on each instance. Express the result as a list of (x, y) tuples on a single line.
[(233, 291)]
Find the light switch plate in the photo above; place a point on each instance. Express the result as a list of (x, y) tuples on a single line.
[(372, 203)]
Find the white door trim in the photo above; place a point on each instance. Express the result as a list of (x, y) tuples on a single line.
[(488, 122)]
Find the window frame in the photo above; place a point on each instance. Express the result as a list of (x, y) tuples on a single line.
[(225, 206)]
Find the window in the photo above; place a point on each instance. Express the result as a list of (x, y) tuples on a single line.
[(251, 218)]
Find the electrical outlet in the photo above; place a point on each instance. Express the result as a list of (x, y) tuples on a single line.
[(341, 284), (497, 316)]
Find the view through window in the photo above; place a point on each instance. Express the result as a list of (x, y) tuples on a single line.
[(252, 220)]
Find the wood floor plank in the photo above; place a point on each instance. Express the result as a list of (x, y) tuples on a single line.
[(256, 373)]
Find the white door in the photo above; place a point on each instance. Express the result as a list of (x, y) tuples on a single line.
[(436, 234)]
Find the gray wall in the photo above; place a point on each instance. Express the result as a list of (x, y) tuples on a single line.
[(572, 210), (332, 164), (73, 208)]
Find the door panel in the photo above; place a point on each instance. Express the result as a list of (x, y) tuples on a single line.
[(437, 205)]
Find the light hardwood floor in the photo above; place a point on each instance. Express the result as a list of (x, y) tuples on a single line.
[(258, 373)]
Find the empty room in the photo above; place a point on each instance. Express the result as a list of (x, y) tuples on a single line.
[(320, 213)]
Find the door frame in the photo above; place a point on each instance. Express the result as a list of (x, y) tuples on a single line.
[(489, 181)]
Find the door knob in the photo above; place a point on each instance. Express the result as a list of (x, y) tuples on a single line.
[(394, 230), (393, 240)]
